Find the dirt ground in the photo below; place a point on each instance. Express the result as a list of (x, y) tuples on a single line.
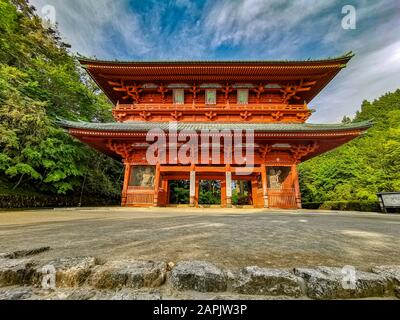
[(228, 237)]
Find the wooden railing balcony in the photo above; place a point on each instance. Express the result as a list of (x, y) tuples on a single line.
[(190, 106), (254, 112)]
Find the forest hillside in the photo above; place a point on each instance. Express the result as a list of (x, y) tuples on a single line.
[(40, 81), (358, 170)]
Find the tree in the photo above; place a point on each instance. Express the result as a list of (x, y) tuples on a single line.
[(39, 82), (363, 167)]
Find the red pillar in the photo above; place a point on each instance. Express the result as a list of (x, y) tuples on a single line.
[(156, 184), (193, 186), (164, 186), (264, 184), (127, 175), (296, 186), (228, 186)]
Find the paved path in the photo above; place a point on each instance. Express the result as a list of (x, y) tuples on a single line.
[(230, 237)]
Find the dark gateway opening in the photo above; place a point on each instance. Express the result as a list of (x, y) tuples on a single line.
[(241, 193), (210, 192), (179, 191)]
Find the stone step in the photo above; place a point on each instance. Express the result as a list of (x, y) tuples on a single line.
[(74, 273)]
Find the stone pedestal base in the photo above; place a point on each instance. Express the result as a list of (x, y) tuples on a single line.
[(191, 202), (266, 205), (123, 200), (229, 202), (298, 203)]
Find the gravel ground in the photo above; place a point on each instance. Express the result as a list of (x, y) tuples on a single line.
[(228, 237)]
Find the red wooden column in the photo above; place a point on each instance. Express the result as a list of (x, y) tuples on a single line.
[(254, 191), (228, 186), (296, 186), (168, 193), (164, 186), (223, 193), (264, 184), (197, 192), (193, 182), (128, 169), (156, 185)]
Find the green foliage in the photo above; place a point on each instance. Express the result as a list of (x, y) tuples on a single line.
[(179, 192), (180, 196), (40, 81), (346, 120), (241, 192), (363, 167), (40, 200), (208, 197), (368, 206), (210, 192)]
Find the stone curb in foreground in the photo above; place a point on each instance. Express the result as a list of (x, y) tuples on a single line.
[(205, 277)]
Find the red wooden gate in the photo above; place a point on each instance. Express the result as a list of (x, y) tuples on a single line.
[(139, 196), (282, 198)]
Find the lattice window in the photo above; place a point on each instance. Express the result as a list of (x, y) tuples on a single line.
[(179, 96), (242, 96), (211, 96), (142, 176), (278, 177)]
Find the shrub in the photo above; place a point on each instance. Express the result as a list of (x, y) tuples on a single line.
[(366, 206), (41, 201)]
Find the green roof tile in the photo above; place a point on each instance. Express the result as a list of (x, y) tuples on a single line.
[(130, 126), (85, 61)]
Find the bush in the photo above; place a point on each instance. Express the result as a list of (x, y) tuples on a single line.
[(40, 201), (365, 206), (311, 205)]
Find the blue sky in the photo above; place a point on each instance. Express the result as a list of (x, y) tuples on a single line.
[(245, 30)]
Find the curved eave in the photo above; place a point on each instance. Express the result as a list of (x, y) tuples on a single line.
[(322, 70), (144, 127), (339, 59), (329, 136)]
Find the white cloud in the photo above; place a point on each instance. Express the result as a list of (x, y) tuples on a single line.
[(366, 78), (374, 71), (283, 29), (259, 29), (88, 25), (273, 26)]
